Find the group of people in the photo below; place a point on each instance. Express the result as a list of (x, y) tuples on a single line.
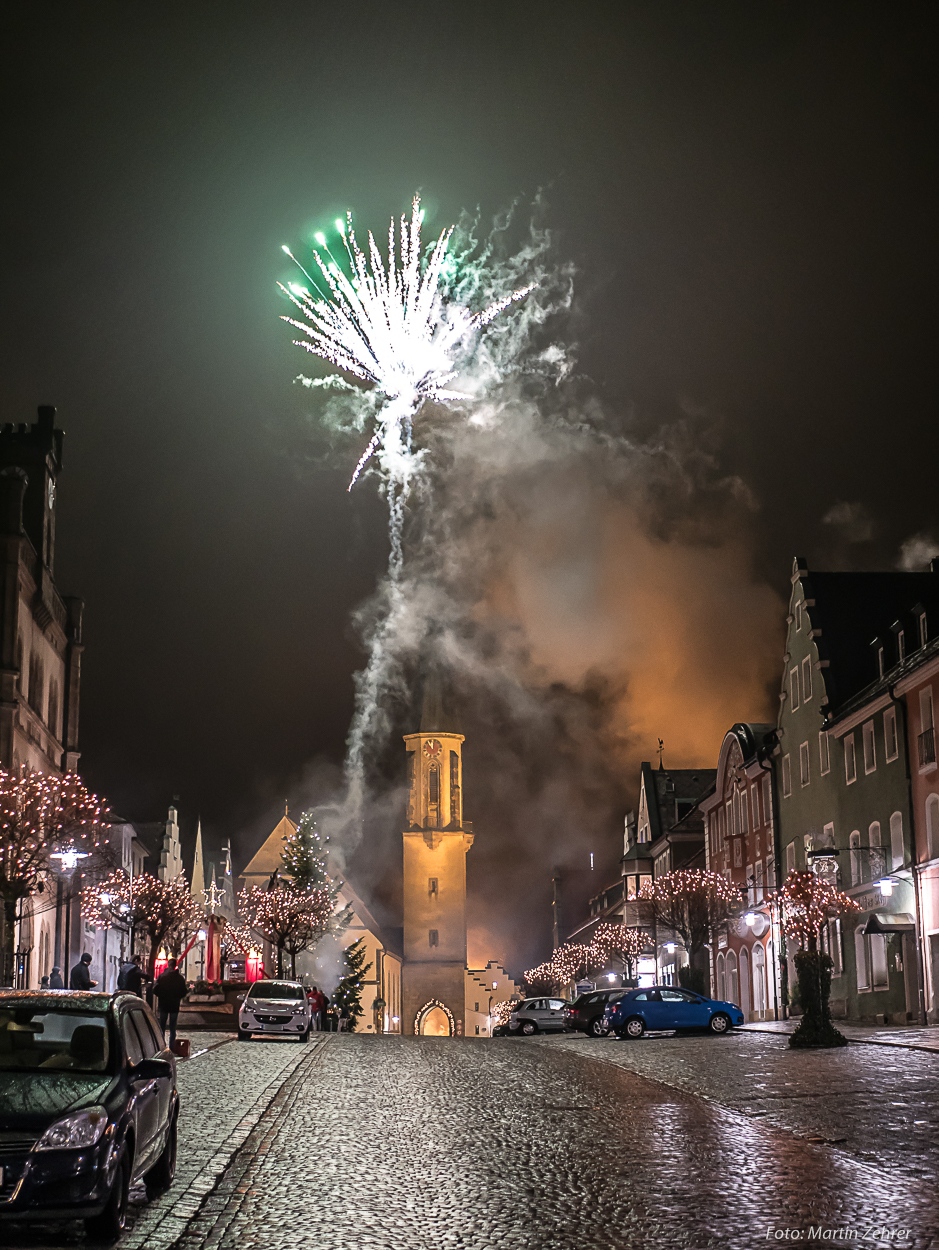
[(169, 988), (322, 1018)]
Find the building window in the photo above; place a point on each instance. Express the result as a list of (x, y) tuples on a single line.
[(755, 803), (35, 684), (770, 872), (767, 800), (432, 886), (455, 815), (476, 1008), (896, 840), (806, 679), (744, 821), (932, 826), (786, 777), (854, 842), (891, 749), (878, 949), (834, 947), (880, 660), (804, 763), (850, 760), (860, 960), (877, 863), (798, 616), (824, 753), (791, 857), (53, 717), (901, 644), (758, 880), (870, 752), (433, 937), (794, 688), (921, 624)]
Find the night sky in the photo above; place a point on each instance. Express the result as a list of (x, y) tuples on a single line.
[(747, 193)]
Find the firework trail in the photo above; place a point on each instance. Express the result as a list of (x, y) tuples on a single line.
[(395, 325)]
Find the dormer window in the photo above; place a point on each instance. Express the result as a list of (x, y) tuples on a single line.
[(901, 644), (921, 625), (880, 660)]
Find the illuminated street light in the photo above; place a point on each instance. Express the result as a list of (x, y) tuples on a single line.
[(750, 919), (68, 860)]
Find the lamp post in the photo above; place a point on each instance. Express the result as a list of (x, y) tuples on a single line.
[(69, 859)]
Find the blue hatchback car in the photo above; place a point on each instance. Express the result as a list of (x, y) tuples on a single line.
[(668, 1007)]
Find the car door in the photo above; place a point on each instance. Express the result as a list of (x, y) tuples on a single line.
[(146, 1095), (554, 1016), (155, 1047), (656, 1013), (691, 1012)]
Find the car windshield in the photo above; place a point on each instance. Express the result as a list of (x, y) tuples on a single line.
[(35, 1039), (276, 989)]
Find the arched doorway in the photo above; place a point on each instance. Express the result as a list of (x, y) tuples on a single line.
[(732, 992), (744, 999), (759, 980), (434, 1020), (721, 983)]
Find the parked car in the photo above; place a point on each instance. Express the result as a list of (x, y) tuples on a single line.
[(670, 1008), (275, 1007), (538, 1015), (88, 1107), (587, 1013)]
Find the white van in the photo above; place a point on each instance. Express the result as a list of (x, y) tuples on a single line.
[(275, 1007)]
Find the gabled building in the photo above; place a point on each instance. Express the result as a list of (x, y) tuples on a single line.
[(740, 842), (844, 794)]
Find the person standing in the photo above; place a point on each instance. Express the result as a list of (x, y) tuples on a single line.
[(44, 983), (80, 976), (169, 989), (55, 979), (131, 977)]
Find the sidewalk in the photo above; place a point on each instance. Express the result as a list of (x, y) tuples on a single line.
[(905, 1036)]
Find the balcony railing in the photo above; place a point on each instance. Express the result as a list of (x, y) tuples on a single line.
[(927, 747)]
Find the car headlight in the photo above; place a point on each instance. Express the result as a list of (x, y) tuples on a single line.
[(75, 1132)]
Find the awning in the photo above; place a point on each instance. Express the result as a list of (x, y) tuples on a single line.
[(889, 922)]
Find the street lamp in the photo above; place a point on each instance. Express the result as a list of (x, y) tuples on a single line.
[(69, 859)]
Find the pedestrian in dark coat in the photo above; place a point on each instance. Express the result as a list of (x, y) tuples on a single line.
[(169, 989), (131, 977), (55, 979), (80, 977)]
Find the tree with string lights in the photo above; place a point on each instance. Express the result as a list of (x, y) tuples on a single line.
[(305, 857), (291, 920), (808, 903), (164, 911), (616, 941), (43, 818), (694, 904)]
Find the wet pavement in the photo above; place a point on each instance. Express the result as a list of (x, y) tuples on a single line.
[(877, 1103), (427, 1143)]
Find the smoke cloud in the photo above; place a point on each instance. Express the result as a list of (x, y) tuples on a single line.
[(586, 592)]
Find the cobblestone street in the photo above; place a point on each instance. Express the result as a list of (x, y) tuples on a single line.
[(416, 1144)]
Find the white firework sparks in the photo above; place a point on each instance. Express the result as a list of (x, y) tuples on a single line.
[(395, 325), (390, 324)]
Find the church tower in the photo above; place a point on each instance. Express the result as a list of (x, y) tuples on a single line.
[(435, 844)]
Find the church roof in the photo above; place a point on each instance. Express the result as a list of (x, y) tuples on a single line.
[(266, 859)]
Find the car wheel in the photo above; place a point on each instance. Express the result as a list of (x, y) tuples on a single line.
[(106, 1228), (595, 1028), (244, 1036), (529, 1027), (719, 1023), (305, 1037), (160, 1177), (633, 1029)]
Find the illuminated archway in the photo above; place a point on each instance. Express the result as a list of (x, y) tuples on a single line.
[(434, 1020)]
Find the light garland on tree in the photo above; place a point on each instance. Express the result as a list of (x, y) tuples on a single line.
[(573, 959), (165, 910), (808, 903), (291, 920)]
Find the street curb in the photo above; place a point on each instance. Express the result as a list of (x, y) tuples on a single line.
[(859, 1041)]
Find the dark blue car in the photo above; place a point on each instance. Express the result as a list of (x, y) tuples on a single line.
[(668, 1007)]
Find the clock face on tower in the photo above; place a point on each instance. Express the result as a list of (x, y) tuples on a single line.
[(432, 749)]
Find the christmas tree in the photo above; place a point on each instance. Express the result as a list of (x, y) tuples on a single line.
[(304, 857), (347, 998)]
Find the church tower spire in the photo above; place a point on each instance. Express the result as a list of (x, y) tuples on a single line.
[(436, 841)]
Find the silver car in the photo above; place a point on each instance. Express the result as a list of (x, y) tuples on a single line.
[(275, 1007), (539, 1015)]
